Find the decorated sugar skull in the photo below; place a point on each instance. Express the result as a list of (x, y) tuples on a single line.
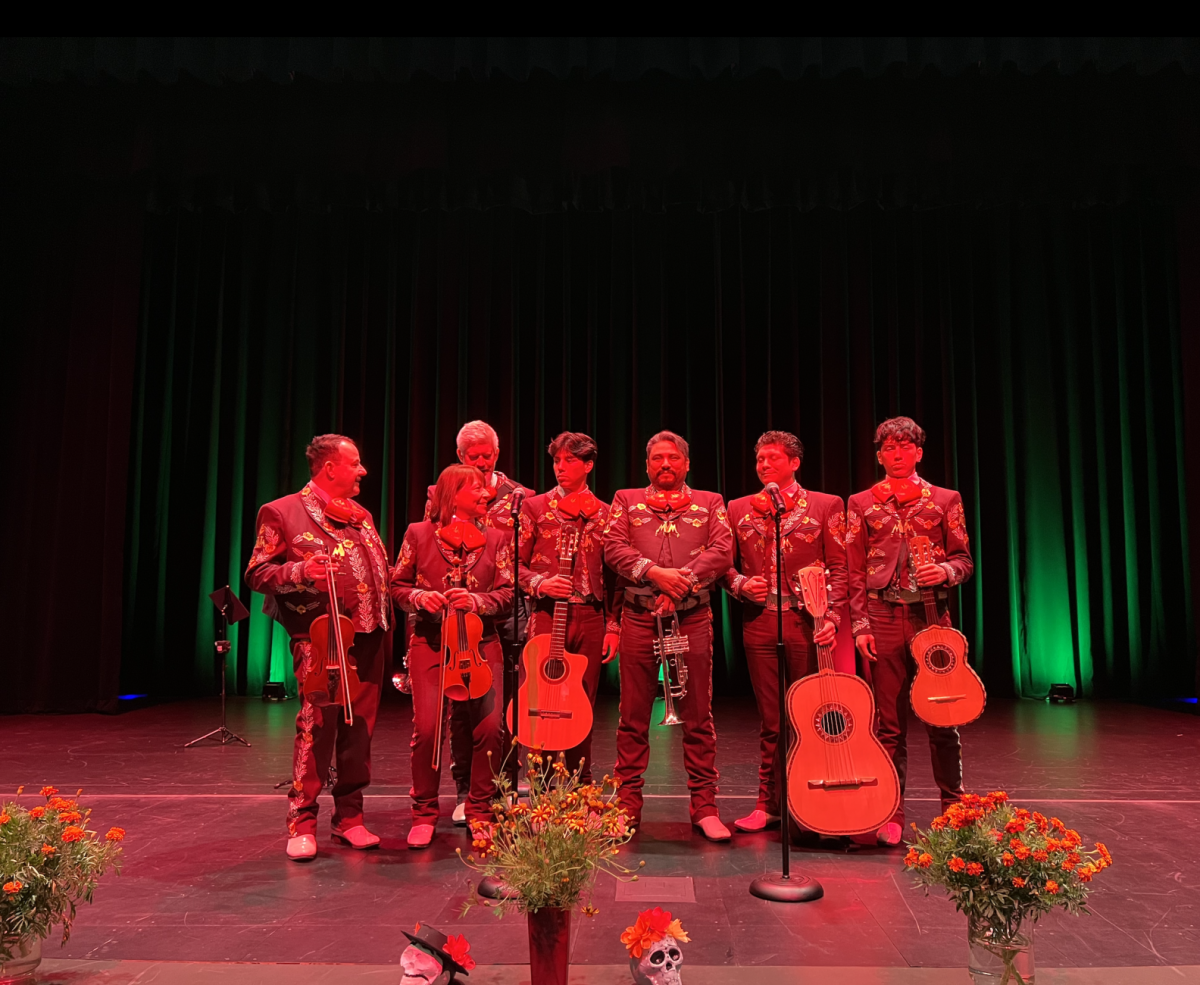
[(432, 958), (655, 944)]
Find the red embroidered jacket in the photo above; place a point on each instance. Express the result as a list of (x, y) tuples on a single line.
[(878, 525), (293, 529), (540, 526), (814, 529), (696, 538), (426, 563), (499, 512)]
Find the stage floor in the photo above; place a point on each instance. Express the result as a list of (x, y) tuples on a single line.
[(206, 880)]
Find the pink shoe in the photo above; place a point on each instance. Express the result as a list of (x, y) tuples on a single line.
[(712, 828), (420, 835), (302, 848), (889, 834), (356, 837), (756, 820)]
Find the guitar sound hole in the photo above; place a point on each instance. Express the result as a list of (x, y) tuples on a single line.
[(554, 669), (833, 722), (939, 659)]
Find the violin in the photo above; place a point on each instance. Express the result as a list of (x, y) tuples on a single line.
[(840, 780), (465, 673), (333, 678)]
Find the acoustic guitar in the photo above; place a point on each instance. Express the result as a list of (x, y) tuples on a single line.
[(840, 780), (945, 689), (556, 712)]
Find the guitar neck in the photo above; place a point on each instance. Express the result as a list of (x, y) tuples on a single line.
[(931, 612), (558, 635), (824, 651)]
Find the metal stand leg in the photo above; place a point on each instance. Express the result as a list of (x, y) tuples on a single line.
[(221, 733)]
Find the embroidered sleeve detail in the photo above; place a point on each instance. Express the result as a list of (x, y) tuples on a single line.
[(835, 617), (951, 574), (482, 606), (265, 546), (735, 588), (612, 626), (837, 527), (853, 527), (860, 627), (640, 569), (534, 582), (956, 520)]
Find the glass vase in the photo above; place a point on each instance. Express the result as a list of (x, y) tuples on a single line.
[(549, 945), (26, 956), (999, 955)]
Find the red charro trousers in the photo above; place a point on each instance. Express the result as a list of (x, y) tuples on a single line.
[(639, 688), (322, 734), (585, 636), (894, 625), (759, 634), (481, 714)]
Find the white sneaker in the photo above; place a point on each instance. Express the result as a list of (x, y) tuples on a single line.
[(302, 848), (713, 829), (459, 816)]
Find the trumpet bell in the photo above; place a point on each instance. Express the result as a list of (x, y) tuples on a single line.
[(669, 716)]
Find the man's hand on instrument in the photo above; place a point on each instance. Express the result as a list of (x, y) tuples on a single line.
[(826, 634), (556, 587), (755, 589), (670, 581), (866, 646), (664, 606), (459, 598), (433, 601), (929, 575), (611, 640), (314, 567)]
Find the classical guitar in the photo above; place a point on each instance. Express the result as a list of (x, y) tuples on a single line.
[(945, 689), (333, 678), (840, 779), (556, 712)]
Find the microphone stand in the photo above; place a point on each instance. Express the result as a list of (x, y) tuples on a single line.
[(781, 887)]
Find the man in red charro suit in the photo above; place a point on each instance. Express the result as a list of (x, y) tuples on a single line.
[(423, 586), (813, 532), (668, 543), (885, 598), (593, 619), (295, 537), (478, 445)]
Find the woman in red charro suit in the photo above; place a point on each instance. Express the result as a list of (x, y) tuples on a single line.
[(422, 585)]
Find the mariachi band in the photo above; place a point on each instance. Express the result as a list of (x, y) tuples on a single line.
[(632, 581)]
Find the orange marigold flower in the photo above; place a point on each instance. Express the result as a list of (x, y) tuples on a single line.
[(49, 792), (69, 817), (60, 804), (939, 822), (1068, 866), (1008, 858), (1074, 858), (1018, 882), (1071, 837), (1085, 872), (956, 864), (970, 799), (999, 796), (1105, 854), (974, 869), (1015, 826), (73, 833), (4, 818), (12, 887), (589, 911), (37, 812), (1051, 886), (912, 857), (925, 861), (48, 850), (1022, 852), (1040, 820), (1041, 855), (1057, 825)]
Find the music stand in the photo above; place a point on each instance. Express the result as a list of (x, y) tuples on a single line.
[(781, 887), (232, 610)]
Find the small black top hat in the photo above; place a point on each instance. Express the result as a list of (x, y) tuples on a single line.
[(434, 940)]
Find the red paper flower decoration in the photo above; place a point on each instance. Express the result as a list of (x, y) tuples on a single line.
[(457, 947)]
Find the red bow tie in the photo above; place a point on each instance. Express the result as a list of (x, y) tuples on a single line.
[(905, 490), (580, 504), (762, 504), (463, 535), (676, 500), (345, 511)]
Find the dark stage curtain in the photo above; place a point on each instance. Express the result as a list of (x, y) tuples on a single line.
[(1039, 346)]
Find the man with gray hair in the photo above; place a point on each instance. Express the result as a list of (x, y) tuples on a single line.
[(478, 444), (668, 543)]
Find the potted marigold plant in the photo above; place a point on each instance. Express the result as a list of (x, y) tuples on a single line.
[(49, 863), (546, 854), (1004, 867)]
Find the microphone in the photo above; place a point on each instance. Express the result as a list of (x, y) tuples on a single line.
[(772, 490), (518, 497)]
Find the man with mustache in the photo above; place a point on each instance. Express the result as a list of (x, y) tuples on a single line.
[(478, 445), (885, 594), (813, 531), (668, 543), (296, 537)]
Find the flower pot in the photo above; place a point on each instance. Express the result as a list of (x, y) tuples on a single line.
[(26, 956), (999, 955), (549, 945)]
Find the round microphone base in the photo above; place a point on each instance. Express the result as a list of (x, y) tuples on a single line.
[(777, 888)]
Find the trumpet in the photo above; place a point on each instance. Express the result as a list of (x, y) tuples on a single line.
[(670, 648)]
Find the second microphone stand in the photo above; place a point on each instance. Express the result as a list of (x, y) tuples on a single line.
[(782, 886)]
